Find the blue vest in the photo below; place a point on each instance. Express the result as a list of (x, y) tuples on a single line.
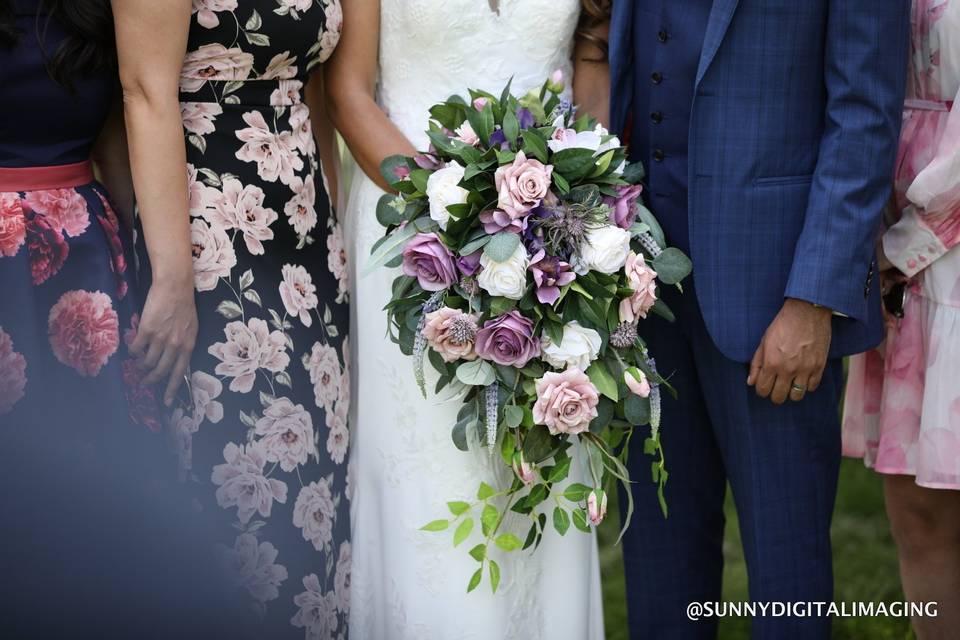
[(668, 39)]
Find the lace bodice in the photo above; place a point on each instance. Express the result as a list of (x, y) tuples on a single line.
[(431, 50)]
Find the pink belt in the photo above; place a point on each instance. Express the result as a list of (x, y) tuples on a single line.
[(42, 178), (928, 105)]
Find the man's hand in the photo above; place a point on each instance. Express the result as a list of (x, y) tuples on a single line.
[(793, 353)]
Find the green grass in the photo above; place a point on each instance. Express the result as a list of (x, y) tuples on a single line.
[(865, 564)]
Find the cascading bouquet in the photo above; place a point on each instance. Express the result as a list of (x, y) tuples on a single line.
[(527, 263)]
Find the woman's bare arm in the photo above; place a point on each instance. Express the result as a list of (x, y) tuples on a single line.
[(591, 75), (351, 76), (315, 97), (151, 45), (112, 163)]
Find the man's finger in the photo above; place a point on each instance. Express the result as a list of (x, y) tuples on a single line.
[(765, 381), (781, 389), (756, 365), (798, 388), (162, 368), (176, 378), (815, 381)]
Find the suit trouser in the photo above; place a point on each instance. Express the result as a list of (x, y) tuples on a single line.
[(782, 463)]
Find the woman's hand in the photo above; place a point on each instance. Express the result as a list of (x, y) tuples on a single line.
[(167, 334)]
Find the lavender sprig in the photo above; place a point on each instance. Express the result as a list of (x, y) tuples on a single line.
[(420, 341), (492, 398), (649, 244)]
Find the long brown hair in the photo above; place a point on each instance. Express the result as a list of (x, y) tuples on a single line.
[(594, 15)]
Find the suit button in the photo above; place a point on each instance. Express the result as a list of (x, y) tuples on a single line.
[(658, 155), (657, 77), (657, 117), (663, 36)]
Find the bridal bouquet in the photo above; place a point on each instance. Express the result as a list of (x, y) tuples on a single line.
[(528, 262)]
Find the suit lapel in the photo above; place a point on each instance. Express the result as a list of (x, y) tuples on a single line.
[(720, 18)]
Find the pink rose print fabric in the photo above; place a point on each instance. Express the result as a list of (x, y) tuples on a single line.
[(902, 412), (263, 437)]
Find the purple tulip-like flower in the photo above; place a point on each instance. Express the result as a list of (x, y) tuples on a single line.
[(525, 117), (499, 139), (469, 265), (550, 273), (623, 208), (427, 161), (430, 262), (495, 221), (508, 340)]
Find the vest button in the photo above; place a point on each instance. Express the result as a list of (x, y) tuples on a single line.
[(658, 155), (657, 77), (663, 36), (657, 117)]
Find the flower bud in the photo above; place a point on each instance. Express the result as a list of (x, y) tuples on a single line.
[(556, 82), (597, 506), (479, 103), (523, 469)]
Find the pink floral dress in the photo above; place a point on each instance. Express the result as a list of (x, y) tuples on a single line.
[(902, 412), (264, 440)]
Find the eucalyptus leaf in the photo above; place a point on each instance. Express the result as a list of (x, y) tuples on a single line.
[(637, 410), (392, 246), (512, 416), (672, 266), (477, 373), (502, 246)]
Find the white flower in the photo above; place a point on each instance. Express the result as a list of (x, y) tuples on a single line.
[(443, 190), (467, 135), (564, 138), (580, 346), (605, 249), (508, 278)]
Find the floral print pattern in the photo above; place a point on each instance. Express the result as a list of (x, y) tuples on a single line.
[(264, 436), (901, 412)]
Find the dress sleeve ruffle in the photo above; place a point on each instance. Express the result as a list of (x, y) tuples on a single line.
[(930, 225)]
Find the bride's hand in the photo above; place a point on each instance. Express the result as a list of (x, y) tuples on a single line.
[(167, 334)]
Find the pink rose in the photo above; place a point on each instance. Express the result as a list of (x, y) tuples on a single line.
[(637, 382), (65, 209), (84, 330), (213, 254), (430, 262), (214, 62), (286, 432), (286, 94), (522, 185), (13, 225), (201, 196), (341, 580), (13, 374), (597, 506), (326, 373), (275, 153), (241, 482), (206, 11), (298, 293), (508, 340), (48, 250), (566, 402), (317, 611), (642, 279), (300, 210), (198, 117), (338, 440), (314, 512), (337, 261), (451, 333), (252, 565), (249, 348), (241, 207)]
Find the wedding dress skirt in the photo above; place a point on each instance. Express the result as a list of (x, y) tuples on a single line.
[(404, 467)]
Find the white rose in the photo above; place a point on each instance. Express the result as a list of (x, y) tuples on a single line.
[(605, 249), (443, 190), (580, 346), (507, 279)]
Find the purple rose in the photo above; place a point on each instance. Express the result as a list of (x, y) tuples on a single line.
[(623, 208), (469, 265), (427, 259), (508, 340), (495, 221), (550, 274)]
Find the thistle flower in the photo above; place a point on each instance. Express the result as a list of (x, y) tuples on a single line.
[(624, 336), (567, 228)]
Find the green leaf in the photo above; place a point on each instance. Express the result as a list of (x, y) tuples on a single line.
[(391, 247), (512, 416), (474, 245), (436, 525), (603, 381), (502, 246), (479, 552), (574, 164), (672, 266), (534, 146), (485, 491), (577, 492), (489, 519), (560, 471), (475, 580), (605, 414), (649, 446), (494, 575), (500, 305), (511, 126), (538, 445), (463, 532), (508, 542), (478, 373), (561, 520), (646, 217), (387, 210), (254, 22), (580, 520), (661, 309), (636, 410), (458, 508)]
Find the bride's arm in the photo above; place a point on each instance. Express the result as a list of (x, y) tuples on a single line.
[(591, 71), (351, 77)]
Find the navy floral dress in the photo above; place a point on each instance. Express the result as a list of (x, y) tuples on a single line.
[(68, 305), (265, 437)]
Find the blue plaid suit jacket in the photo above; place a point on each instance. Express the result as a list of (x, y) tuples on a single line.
[(793, 136)]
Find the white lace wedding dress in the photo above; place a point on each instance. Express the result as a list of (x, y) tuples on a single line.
[(409, 584)]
